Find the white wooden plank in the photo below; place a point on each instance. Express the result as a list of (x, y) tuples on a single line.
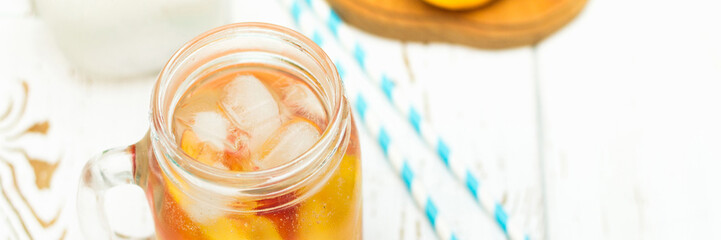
[(484, 101), (260, 11), (391, 213), (629, 100)]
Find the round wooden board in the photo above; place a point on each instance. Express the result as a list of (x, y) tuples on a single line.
[(501, 24)]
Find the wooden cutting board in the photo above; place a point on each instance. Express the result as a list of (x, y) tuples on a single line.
[(500, 24)]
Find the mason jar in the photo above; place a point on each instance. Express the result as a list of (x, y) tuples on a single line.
[(314, 196)]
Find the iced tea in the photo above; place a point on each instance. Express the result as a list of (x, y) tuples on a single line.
[(251, 118)]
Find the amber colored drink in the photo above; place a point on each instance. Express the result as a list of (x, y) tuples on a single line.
[(254, 118)]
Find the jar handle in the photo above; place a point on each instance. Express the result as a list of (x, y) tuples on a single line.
[(112, 168)]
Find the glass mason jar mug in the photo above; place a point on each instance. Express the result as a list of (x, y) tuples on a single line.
[(238, 193)]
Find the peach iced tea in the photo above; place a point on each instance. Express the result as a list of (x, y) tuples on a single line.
[(249, 119)]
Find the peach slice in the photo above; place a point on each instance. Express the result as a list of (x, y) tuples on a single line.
[(185, 219), (235, 157), (257, 227), (286, 218), (333, 212), (191, 144), (198, 150)]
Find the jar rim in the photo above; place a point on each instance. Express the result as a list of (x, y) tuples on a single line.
[(162, 133)]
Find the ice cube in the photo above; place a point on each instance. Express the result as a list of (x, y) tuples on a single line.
[(299, 100), (251, 107), (212, 128), (290, 141), (303, 102), (202, 100)]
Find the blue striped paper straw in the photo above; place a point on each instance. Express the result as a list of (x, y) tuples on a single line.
[(341, 32), (401, 167), (400, 164)]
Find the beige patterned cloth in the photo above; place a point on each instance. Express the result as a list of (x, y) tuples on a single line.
[(33, 193)]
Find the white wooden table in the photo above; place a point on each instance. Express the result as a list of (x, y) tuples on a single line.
[(609, 129)]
